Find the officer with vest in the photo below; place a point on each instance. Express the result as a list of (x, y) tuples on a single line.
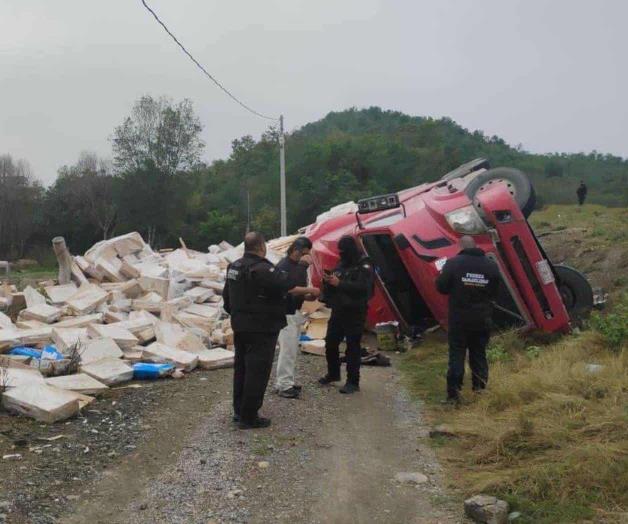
[(471, 280), (254, 296), (346, 290)]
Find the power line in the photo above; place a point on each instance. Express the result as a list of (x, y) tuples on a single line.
[(223, 88)]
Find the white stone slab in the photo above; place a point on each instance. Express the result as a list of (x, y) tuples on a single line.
[(42, 313), (42, 402), (60, 294), (109, 371), (99, 348), (123, 337), (158, 352), (80, 383), (67, 338)]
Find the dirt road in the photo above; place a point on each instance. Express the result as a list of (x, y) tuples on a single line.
[(178, 458), (327, 458)]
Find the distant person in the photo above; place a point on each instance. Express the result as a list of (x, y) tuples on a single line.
[(471, 280), (295, 264), (254, 296), (346, 290), (582, 192)]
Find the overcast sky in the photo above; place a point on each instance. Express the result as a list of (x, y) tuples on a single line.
[(549, 74)]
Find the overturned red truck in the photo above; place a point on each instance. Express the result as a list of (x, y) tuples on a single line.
[(409, 236)]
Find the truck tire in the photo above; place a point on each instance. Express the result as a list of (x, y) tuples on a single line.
[(575, 291), (465, 169), (516, 181)]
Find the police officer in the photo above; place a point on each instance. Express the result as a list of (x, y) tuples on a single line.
[(347, 290), (471, 280), (254, 296)]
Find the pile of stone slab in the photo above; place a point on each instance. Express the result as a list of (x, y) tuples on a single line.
[(124, 304)]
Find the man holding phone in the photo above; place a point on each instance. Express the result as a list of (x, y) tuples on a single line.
[(295, 265), (347, 290)]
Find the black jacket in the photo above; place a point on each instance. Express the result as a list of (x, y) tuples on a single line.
[(297, 273), (353, 293), (254, 295), (471, 280)]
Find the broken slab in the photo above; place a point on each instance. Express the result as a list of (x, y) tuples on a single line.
[(129, 270), (215, 358), (42, 402), (314, 347), (66, 339), (157, 285), (80, 321), (33, 297), (110, 267), (204, 311), (87, 299), (60, 294), (109, 371), (80, 383), (42, 313), (13, 377), (29, 324), (199, 294), (123, 337), (158, 352), (99, 348)]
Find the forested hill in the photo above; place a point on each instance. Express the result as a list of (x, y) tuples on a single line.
[(158, 186), (357, 153)]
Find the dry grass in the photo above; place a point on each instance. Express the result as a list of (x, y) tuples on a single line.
[(548, 435)]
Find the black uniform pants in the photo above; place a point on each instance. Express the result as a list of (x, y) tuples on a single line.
[(461, 339), (349, 328), (253, 361)]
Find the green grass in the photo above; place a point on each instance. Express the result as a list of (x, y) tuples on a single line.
[(602, 224), (546, 436), (31, 276)]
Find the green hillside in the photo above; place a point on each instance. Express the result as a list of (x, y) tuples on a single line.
[(164, 191), (357, 153)]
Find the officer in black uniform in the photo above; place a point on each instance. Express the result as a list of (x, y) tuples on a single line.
[(254, 296), (347, 290), (471, 280)]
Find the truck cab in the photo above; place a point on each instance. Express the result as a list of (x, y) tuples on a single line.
[(411, 234)]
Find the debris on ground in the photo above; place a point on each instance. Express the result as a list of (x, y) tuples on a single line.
[(120, 311), (486, 509)]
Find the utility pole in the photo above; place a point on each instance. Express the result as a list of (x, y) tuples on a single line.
[(282, 177), (248, 210)]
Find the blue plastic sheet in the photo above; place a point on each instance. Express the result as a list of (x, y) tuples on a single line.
[(150, 371), (304, 338), (51, 353), (24, 351)]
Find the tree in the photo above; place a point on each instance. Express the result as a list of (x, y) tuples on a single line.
[(20, 205), (152, 202), (166, 134), (95, 187)]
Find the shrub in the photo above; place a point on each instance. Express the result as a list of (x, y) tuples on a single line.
[(613, 326)]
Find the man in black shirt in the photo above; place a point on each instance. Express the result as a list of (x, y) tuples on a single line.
[(471, 280), (254, 296), (347, 290), (295, 264), (581, 192)]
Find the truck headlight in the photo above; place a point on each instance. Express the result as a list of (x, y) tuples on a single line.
[(466, 220)]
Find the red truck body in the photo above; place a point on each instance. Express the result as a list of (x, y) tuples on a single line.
[(408, 244)]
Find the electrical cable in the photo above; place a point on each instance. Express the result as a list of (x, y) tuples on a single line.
[(200, 66)]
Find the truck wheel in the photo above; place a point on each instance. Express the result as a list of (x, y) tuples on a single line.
[(575, 291), (516, 181), (465, 169)]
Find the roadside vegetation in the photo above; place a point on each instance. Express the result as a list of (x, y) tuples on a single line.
[(550, 434), (156, 182)]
